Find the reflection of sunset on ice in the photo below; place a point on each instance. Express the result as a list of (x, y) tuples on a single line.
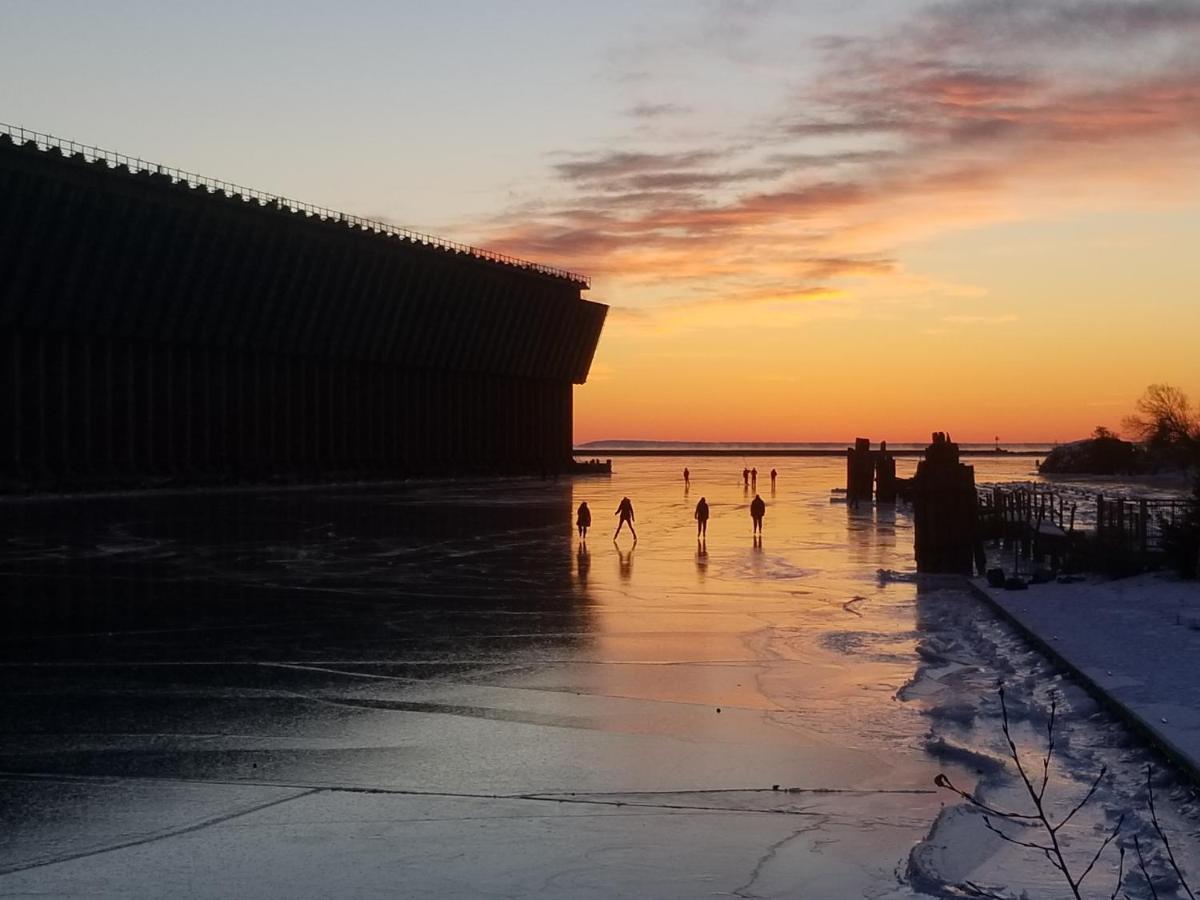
[(318, 580), (633, 704)]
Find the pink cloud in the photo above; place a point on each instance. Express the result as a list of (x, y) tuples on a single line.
[(936, 119)]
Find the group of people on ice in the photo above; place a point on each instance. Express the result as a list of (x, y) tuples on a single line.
[(583, 519), (749, 478), (758, 509)]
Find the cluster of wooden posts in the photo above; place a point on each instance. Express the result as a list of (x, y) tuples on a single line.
[(952, 519), (943, 497), (870, 473), (1035, 524)]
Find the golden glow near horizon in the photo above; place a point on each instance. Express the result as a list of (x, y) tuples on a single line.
[(979, 218), (812, 221)]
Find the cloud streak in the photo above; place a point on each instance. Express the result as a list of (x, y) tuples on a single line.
[(931, 124)]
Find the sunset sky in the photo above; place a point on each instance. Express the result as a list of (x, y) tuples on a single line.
[(812, 220)]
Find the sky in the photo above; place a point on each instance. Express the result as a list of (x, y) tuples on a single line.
[(812, 220)]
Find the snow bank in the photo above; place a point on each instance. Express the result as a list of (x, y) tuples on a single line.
[(1135, 640)]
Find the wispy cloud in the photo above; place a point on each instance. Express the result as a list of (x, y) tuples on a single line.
[(611, 164), (657, 110), (933, 123)]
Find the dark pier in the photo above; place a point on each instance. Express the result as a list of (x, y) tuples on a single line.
[(159, 326), (945, 515)]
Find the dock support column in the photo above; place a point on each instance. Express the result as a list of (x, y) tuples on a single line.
[(944, 511), (860, 472), (885, 475)]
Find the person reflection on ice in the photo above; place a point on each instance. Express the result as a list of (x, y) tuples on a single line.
[(583, 562), (625, 562)]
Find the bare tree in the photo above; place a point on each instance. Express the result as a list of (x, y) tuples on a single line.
[(1164, 417), (1039, 817)]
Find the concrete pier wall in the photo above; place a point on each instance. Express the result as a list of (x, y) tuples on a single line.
[(152, 328)]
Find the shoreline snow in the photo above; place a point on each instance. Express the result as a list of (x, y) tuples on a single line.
[(1133, 642)]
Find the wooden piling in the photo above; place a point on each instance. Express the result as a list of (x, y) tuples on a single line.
[(885, 475), (860, 471), (944, 510)]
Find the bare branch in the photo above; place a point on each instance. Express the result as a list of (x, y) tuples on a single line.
[(1049, 747), (1108, 840), (976, 890), (1137, 846), (1012, 840), (1016, 756), (1058, 859), (1088, 796), (1120, 872), (943, 781), (1162, 836)]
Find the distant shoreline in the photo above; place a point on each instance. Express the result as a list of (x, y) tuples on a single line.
[(601, 452)]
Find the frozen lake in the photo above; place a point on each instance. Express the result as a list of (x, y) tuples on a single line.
[(434, 689)]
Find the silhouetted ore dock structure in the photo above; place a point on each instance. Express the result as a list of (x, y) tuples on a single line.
[(159, 325)]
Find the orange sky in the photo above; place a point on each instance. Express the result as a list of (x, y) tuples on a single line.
[(977, 216), (813, 220)]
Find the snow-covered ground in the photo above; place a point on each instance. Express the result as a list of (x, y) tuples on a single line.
[(1136, 639)]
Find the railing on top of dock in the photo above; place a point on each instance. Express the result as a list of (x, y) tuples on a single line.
[(136, 164), (1005, 508), (1135, 521)]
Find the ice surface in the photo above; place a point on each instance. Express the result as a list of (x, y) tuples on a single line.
[(432, 689)]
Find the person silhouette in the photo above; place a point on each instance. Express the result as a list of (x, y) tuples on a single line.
[(758, 509), (754, 477), (773, 476), (583, 520), (702, 518), (687, 477), (746, 477), (625, 511)]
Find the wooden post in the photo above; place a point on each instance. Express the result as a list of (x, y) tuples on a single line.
[(885, 475), (860, 471), (944, 510)]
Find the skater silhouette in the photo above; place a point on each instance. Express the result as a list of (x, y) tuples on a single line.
[(687, 478), (758, 509), (702, 518), (625, 511), (583, 521)]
